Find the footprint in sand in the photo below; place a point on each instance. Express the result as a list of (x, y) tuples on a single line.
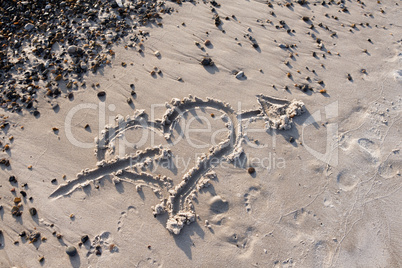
[(249, 197), (347, 180), (217, 205), (392, 167), (369, 146), (120, 223)]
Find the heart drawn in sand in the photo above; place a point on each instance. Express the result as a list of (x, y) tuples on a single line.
[(176, 200)]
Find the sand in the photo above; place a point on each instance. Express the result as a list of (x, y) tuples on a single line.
[(154, 186)]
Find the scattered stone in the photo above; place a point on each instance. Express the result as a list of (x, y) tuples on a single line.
[(85, 32), (34, 236), (251, 170), (5, 162), (72, 49), (240, 75), (17, 200), (206, 61), (71, 251), (217, 20), (29, 26), (33, 211), (157, 54), (84, 238), (98, 250), (101, 94), (22, 234), (12, 179)]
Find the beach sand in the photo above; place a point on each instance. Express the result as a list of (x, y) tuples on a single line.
[(315, 113)]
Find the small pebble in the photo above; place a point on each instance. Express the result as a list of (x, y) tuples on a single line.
[(84, 238), (71, 251), (101, 94), (12, 179), (33, 211), (251, 170), (240, 75), (206, 61)]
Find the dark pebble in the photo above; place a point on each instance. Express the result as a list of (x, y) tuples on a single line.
[(5, 162), (101, 94), (12, 179), (71, 251), (98, 250), (206, 61), (33, 211), (84, 238), (251, 170)]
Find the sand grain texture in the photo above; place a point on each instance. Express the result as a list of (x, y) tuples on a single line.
[(326, 194)]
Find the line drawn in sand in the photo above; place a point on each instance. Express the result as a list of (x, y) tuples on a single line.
[(176, 200)]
